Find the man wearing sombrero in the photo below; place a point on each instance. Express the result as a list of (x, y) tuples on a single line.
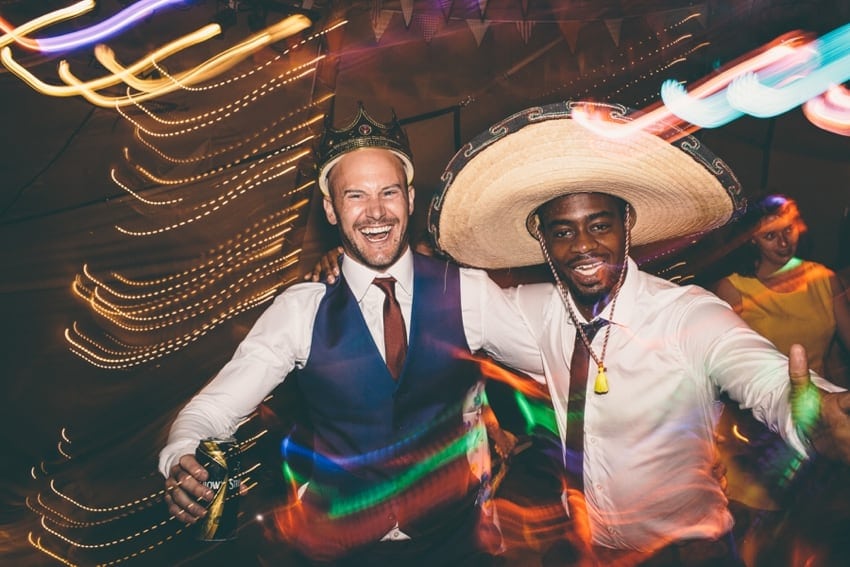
[(634, 364)]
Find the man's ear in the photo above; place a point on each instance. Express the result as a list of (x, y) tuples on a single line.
[(329, 210), (411, 197)]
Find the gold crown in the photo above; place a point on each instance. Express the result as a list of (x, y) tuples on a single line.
[(363, 132)]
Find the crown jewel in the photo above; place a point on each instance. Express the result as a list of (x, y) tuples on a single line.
[(363, 132)]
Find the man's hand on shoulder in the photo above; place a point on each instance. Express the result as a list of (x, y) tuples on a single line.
[(327, 267)]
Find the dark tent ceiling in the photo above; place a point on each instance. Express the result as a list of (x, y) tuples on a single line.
[(140, 234)]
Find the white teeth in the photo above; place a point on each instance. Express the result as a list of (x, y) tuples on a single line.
[(588, 269), (375, 229)]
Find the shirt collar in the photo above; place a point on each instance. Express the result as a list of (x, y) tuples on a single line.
[(359, 277)]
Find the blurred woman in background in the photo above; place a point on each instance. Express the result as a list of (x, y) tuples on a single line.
[(786, 299)]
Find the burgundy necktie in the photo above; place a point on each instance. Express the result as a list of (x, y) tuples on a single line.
[(395, 335), (574, 441), (579, 367)]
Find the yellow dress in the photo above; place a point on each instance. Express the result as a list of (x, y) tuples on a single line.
[(803, 315)]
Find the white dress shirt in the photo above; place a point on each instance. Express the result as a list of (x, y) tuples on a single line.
[(649, 442), (279, 342)]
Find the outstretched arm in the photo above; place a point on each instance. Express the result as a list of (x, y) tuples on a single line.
[(821, 417)]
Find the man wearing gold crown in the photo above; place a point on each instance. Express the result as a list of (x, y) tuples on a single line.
[(634, 364), (399, 462)]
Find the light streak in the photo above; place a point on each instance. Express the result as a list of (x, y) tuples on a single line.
[(216, 171), (169, 49), (261, 177), (120, 318), (17, 34), (114, 176), (104, 29), (102, 357), (830, 111), (243, 141), (738, 435), (212, 67)]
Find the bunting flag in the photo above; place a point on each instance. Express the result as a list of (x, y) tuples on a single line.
[(478, 29), (524, 28), (380, 23), (407, 12), (307, 4), (431, 25), (663, 23), (570, 30), (377, 7), (614, 26)]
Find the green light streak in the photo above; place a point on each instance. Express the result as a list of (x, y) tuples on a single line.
[(536, 414), (389, 489)]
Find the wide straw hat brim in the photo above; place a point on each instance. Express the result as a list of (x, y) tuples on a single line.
[(493, 184)]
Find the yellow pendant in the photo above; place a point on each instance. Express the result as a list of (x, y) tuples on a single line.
[(601, 384)]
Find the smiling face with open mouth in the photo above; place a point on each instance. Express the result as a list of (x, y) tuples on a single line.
[(371, 203), (586, 238)]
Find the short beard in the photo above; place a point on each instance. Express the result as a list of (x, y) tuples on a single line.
[(594, 300)]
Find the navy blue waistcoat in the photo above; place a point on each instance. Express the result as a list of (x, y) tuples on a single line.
[(367, 428)]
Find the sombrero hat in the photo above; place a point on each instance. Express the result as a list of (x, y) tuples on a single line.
[(494, 184)]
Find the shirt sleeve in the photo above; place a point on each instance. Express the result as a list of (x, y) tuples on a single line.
[(277, 343), (743, 364), (493, 323)]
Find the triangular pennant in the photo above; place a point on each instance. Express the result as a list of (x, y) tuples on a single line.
[(614, 25), (570, 30), (446, 7), (524, 8), (524, 30), (431, 25), (380, 23), (407, 11), (478, 29), (377, 6), (482, 6), (307, 4)]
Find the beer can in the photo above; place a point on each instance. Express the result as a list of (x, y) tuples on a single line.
[(221, 459)]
